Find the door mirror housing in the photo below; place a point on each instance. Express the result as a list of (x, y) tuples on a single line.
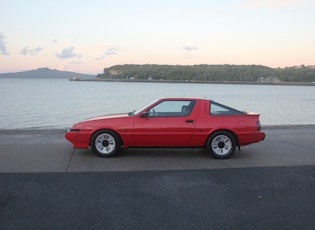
[(145, 114)]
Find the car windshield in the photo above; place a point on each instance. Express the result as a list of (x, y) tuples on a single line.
[(136, 112)]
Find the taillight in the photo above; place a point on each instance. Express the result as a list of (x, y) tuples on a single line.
[(258, 125)]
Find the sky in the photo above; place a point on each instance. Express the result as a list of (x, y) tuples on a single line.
[(88, 36)]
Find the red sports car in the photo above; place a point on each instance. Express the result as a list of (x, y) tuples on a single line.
[(170, 122)]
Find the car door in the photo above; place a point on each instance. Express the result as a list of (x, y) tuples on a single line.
[(168, 123)]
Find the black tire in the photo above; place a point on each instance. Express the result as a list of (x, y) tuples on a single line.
[(105, 143), (221, 144)]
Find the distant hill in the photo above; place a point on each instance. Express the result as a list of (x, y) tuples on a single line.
[(44, 73)]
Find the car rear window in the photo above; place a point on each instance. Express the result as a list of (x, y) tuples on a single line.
[(219, 109)]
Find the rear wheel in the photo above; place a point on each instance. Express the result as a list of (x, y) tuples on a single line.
[(105, 143), (221, 144)]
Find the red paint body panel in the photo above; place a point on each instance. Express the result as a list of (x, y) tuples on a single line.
[(140, 130)]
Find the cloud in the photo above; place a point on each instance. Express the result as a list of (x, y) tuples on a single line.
[(3, 48), (189, 48), (275, 4), (33, 52), (110, 51), (67, 53)]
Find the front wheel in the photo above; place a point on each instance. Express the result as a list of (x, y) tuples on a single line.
[(221, 145), (105, 143)]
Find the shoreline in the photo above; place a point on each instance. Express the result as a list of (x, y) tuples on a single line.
[(173, 81), (196, 82), (63, 130)]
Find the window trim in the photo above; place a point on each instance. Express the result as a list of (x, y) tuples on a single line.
[(179, 114)]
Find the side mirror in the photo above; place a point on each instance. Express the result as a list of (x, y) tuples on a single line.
[(145, 114)]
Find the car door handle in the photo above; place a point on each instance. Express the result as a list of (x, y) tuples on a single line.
[(189, 121)]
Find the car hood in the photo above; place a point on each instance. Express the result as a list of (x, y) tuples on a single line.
[(109, 116)]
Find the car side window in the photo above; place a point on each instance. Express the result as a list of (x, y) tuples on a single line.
[(172, 108), (219, 109)]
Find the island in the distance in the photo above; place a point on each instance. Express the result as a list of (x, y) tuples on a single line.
[(46, 73)]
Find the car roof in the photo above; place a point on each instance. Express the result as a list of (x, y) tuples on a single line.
[(184, 98)]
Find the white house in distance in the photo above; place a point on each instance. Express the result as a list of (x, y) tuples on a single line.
[(269, 79)]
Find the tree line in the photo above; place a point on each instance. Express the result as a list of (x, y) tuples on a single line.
[(216, 73)]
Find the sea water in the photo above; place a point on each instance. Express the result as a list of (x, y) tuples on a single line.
[(59, 103)]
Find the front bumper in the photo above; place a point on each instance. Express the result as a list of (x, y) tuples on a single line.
[(71, 135), (79, 138)]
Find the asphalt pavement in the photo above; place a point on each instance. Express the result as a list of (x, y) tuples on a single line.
[(46, 184)]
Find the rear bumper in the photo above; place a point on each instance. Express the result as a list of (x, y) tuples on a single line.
[(258, 136), (249, 138)]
